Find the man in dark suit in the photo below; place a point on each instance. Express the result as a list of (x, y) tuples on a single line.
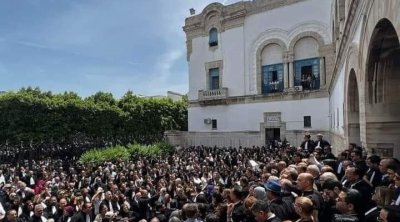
[(396, 199), (159, 212), (282, 209), (321, 142), (144, 204), (305, 183), (29, 179), (354, 177), (112, 205), (356, 157), (236, 210), (84, 215), (308, 145), (373, 175), (383, 168), (135, 202), (340, 168), (262, 212), (372, 214), (53, 210), (38, 214)]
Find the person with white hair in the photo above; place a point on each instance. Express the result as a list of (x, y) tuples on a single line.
[(315, 172), (38, 214), (327, 175), (259, 193)]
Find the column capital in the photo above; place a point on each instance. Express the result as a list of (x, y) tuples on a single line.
[(290, 56), (285, 59)]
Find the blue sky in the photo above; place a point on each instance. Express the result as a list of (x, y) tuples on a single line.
[(88, 46)]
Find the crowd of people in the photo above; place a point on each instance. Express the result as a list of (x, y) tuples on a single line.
[(275, 183), (26, 152)]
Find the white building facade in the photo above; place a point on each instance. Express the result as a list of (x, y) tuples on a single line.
[(269, 69), (364, 102)]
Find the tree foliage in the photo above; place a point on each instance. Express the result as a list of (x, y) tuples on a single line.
[(130, 151), (33, 115)]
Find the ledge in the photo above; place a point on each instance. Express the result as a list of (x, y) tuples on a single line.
[(283, 96)]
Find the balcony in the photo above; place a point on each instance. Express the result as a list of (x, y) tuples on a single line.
[(213, 95)]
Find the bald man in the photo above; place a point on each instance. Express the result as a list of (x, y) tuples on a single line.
[(305, 183)]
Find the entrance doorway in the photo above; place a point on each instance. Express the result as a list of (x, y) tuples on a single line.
[(272, 134)]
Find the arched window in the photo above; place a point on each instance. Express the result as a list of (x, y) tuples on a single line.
[(213, 37), (306, 64), (272, 69)]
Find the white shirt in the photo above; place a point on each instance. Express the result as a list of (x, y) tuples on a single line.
[(339, 169), (2, 179), (32, 181), (110, 206), (19, 211), (43, 219), (2, 211), (368, 212), (352, 185), (397, 203), (372, 177)]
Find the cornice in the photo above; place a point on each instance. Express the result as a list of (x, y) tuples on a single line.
[(258, 6), (227, 17), (275, 97), (231, 13)]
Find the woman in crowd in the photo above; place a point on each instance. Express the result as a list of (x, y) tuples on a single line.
[(304, 208)]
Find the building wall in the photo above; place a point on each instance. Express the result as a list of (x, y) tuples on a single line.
[(336, 104), (378, 121), (285, 24), (247, 117), (350, 23), (230, 51), (236, 46)]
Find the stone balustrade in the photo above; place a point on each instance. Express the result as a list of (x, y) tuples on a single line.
[(215, 94)]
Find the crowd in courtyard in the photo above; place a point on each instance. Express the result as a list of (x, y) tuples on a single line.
[(279, 182)]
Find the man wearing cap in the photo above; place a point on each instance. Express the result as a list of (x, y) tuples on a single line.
[(284, 210), (263, 213)]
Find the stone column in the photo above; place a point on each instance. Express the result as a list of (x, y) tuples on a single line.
[(285, 73), (322, 71), (291, 73)]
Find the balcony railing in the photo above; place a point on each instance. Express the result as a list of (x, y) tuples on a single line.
[(214, 94)]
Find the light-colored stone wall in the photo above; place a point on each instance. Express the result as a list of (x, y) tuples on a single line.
[(255, 25), (336, 104), (240, 46), (378, 122), (233, 139), (275, 34), (248, 116)]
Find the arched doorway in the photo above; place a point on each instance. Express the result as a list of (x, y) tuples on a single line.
[(353, 110), (382, 91)]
